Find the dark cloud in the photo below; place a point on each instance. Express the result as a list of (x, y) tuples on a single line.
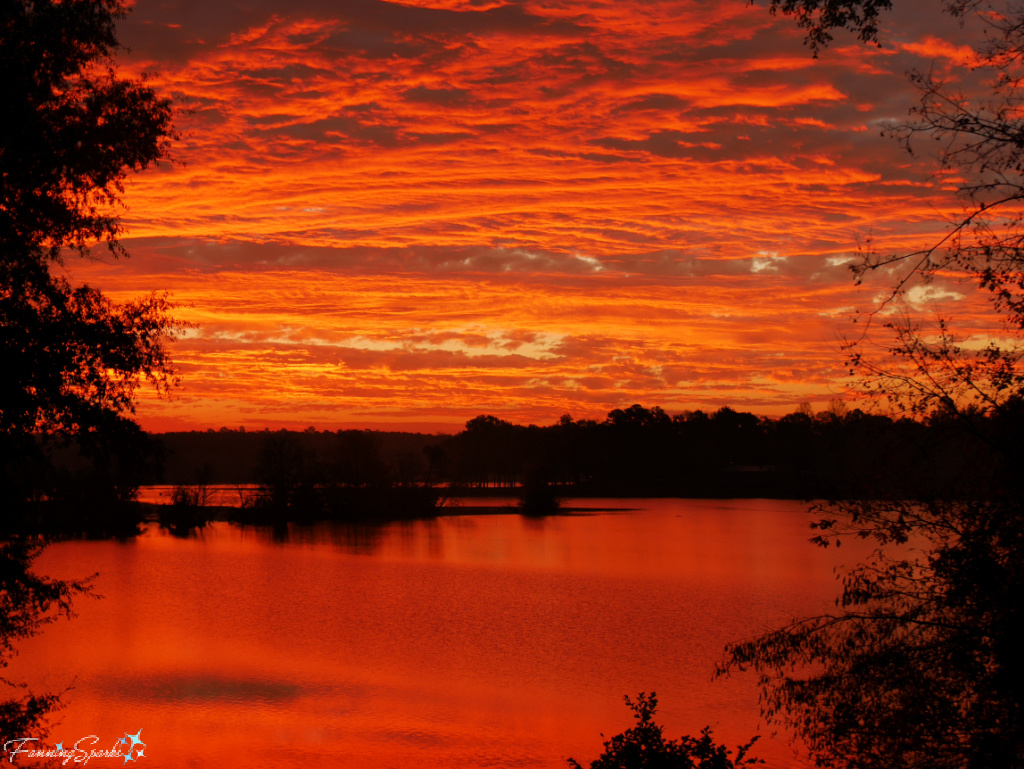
[(666, 144), (174, 29), (443, 97), (346, 126)]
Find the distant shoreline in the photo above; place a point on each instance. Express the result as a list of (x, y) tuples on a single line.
[(227, 513)]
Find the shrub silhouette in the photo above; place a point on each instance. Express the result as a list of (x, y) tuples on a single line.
[(645, 747)]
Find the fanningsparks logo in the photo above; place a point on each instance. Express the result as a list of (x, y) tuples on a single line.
[(129, 748)]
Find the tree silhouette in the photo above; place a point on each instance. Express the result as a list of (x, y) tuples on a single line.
[(977, 138), (71, 131), (27, 603), (919, 665), (644, 746)]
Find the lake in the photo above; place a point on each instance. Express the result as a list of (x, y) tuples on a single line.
[(466, 641)]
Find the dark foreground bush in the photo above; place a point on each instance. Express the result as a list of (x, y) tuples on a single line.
[(645, 747)]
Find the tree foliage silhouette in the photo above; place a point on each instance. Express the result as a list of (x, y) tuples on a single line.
[(644, 746), (919, 666), (978, 140), (27, 603), (71, 130)]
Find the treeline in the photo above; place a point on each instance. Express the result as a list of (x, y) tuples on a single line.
[(90, 486), (378, 476), (641, 451), (635, 451), (227, 456)]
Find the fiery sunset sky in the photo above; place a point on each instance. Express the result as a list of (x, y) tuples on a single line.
[(406, 214)]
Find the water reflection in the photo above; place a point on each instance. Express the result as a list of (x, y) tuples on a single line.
[(464, 641), (357, 539), (431, 537)]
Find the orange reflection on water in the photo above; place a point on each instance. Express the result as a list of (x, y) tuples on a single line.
[(462, 642)]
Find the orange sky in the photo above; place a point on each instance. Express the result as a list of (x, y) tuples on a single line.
[(408, 214)]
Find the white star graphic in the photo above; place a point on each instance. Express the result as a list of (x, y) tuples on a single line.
[(136, 746)]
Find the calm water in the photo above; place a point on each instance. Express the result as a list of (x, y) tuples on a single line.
[(470, 641)]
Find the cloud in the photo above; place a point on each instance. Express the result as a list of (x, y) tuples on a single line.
[(330, 345), (444, 207)]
